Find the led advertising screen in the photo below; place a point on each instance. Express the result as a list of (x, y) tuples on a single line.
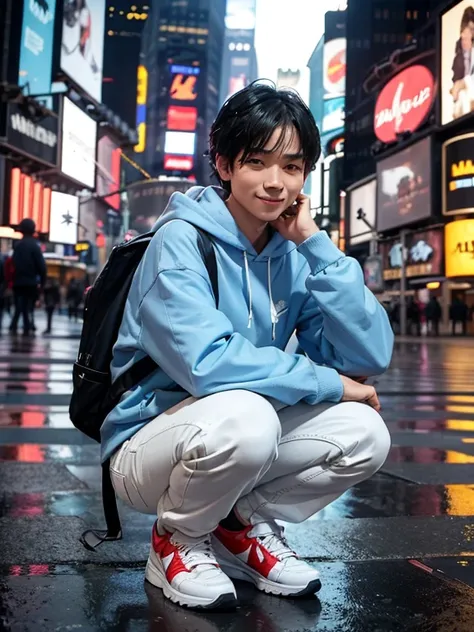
[(403, 186), (79, 134), (334, 66), (148, 199), (82, 45), (64, 218), (182, 118), (423, 255), (142, 93), (36, 49), (29, 198), (457, 61), (458, 174), (362, 198), (33, 138), (404, 103), (180, 143), (108, 171)]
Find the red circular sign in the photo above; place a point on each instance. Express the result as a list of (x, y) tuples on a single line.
[(404, 103)]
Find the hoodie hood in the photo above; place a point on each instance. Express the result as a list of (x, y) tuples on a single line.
[(205, 208)]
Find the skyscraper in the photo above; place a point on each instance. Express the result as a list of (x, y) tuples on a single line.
[(182, 60), (124, 22), (239, 60)]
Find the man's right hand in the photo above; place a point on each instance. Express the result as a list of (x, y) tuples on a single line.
[(356, 392)]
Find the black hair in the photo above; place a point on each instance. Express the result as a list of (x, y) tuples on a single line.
[(247, 120)]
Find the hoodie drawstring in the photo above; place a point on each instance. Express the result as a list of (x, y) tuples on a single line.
[(273, 312), (249, 289)]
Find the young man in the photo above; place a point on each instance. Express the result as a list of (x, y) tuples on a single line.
[(233, 432)]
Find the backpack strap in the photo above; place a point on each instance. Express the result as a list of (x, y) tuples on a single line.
[(92, 538)]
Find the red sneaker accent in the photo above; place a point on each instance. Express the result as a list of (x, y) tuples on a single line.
[(164, 549), (238, 543)]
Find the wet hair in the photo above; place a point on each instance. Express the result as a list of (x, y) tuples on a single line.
[(248, 119)]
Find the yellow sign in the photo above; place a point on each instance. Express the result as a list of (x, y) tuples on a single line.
[(463, 168), (142, 93), (459, 248), (82, 246), (142, 85)]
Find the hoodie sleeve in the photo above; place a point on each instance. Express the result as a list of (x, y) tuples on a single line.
[(194, 342), (342, 324)]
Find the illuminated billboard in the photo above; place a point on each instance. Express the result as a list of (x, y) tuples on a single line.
[(79, 134), (64, 218), (82, 45), (142, 92), (182, 118), (36, 49), (457, 62), (29, 198), (334, 66), (404, 186), (404, 103), (181, 143)]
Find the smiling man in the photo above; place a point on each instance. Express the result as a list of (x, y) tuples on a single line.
[(232, 432)]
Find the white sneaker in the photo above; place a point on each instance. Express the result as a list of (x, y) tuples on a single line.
[(260, 554), (187, 572)]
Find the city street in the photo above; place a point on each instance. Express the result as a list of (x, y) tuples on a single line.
[(395, 553)]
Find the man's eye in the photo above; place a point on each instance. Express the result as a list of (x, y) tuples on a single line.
[(293, 168), (253, 161)]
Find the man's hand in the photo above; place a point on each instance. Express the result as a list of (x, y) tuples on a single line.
[(355, 392), (296, 223)]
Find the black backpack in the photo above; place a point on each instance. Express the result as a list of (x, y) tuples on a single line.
[(94, 395)]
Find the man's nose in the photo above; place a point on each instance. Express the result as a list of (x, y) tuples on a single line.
[(273, 179)]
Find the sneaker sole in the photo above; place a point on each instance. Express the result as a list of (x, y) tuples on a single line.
[(236, 569), (154, 576)]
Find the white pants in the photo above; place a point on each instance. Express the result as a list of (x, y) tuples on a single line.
[(199, 459)]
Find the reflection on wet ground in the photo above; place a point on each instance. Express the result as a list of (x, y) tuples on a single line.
[(358, 597), (405, 537)]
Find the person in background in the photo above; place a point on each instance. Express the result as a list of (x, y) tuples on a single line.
[(52, 299), (74, 298), (30, 270), (414, 316), (3, 286), (433, 315), (458, 313)]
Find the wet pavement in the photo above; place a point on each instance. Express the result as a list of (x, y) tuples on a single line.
[(396, 553)]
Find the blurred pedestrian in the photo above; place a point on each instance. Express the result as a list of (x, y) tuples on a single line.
[(433, 315), (458, 313), (52, 299), (3, 287), (74, 298), (414, 316), (29, 271)]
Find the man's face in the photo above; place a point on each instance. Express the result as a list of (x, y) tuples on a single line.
[(267, 183), (466, 38)]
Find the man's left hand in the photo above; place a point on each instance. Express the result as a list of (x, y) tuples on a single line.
[(296, 223)]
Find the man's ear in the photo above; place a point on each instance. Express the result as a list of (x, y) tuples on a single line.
[(223, 168)]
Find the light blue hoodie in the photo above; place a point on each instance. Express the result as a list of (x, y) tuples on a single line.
[(171, 315)]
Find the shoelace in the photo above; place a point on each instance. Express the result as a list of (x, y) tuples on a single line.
[(197, 552), (272, 538)]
